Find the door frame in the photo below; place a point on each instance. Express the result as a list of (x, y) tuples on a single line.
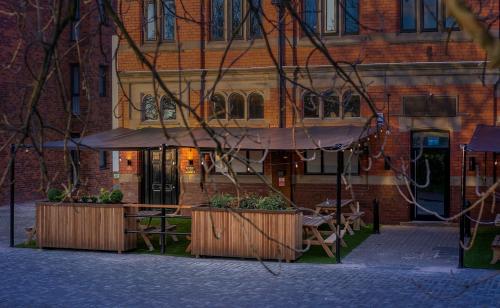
[(447, 192), (146, 172)]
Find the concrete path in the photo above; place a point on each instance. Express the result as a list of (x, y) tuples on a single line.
[(408, 247), (34, 278)]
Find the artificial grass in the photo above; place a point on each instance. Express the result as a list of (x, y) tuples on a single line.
[(479, 256), (315, 254)]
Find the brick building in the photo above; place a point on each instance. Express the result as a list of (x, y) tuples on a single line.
[(425, 76), (86, 72)]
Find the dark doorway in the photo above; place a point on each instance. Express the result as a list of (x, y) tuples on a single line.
[(433, 146), (153, 174)]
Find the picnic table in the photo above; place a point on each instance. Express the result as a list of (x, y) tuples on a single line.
[(350, 220), (495, 245), (314, 236)]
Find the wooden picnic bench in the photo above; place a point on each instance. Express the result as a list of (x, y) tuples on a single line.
[(497, 220), (314, 236), (352, 221), (495, 247)]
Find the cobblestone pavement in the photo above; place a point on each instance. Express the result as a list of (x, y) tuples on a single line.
[(74, 279)]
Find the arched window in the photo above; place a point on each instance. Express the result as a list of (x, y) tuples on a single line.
[(311, 105), (351, 105), (168, 108), (255, 106), (331, 105), (149, 109), (236, 104), (218, 106)]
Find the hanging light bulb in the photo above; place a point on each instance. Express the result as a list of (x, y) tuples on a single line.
[(496, 162), (296, 165)]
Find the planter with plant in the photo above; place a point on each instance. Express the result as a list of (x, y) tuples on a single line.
[(249, 227)]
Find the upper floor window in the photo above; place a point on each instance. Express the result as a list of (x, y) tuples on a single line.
[(75, 24), (217, 20), (236, 18), (255, 30), (331, 16), (425, 16), (103, 18), (255, 106), (327, 105), (310, 14), (150, 20), (103, 159), (75, 89), (168, 20), (218, 106), (149, 108), (236, 106), (351, 16), (168, 107)]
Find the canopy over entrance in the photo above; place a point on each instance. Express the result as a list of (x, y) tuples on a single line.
[(244, 138), (485, 139)]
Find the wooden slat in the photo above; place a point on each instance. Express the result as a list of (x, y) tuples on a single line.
[(243, 233), (85, 226)]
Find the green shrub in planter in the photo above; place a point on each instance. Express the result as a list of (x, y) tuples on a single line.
[(104, 196), (116, 196), (249, 201), (272, 202), (55, 195), (221, 200), (89, 199)]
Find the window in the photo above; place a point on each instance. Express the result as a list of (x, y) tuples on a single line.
[(311, 105), (325, 162), (310, 14), (75, 160), (103, 159), (150, 20), (408, 16), (168, 108), (248, 160), (217, 21), (429, 106), (351, 106), (236, 18), (102, 80), (149, 109), (429, 15), (75, 89), (331, 105), (168, 20), (236, 106), (218, 107), (75, 25), (103, 18), (351, 17), (255, 30), (449, 22), (330, 22), (255, 106)]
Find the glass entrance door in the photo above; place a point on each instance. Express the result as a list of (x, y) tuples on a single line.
[(433, 147)]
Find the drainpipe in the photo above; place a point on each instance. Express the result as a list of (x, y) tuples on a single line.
[(12, 192), (495, 117), (281, 55)]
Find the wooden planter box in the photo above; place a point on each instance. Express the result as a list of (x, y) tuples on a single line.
[(85, 226), (239, 238)]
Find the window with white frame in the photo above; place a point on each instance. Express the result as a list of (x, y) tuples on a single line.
[(425, 16), (327, 105), (330, 16), (325, 162)]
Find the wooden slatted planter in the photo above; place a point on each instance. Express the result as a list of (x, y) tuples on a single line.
[(237, 237), (85, 226)]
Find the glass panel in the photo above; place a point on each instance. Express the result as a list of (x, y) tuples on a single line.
[(220, 166), (352, 106), (430, 14), (331, 105), (255, 16), (351, 16), (236, 106), (168, 107), (236, 18), (169, 20), (218, 105), (238, 166), (313, 166), (449, 21), (149, 108), (102, 80), (311, 106), (217, 19), (430, 140), (329, 162), (206, 161), (254, 157), (408, 15), (255, 106), (311, 14), (354, 167), (150, 21), (331, 16)]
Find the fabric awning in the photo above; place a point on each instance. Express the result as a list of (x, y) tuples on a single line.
[(485, 139), (244, 138)]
